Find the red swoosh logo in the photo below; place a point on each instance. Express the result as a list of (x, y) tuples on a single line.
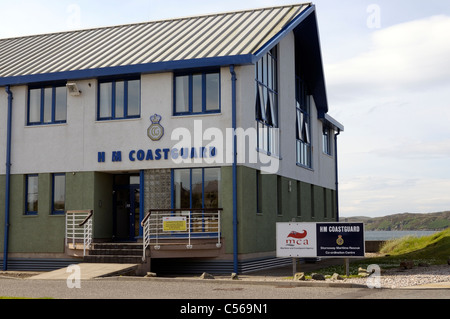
[(297, 235)]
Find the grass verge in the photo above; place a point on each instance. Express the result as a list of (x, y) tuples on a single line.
[(432, 250)]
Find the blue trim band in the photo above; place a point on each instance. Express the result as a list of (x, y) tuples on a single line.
[(131, 69)]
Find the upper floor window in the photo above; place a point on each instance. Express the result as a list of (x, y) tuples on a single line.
[(119, 99), (47, 105), (326, 140), (267, 103), (303, 109), (197, 93)]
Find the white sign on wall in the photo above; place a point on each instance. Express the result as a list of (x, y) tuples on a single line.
[(296, 240)]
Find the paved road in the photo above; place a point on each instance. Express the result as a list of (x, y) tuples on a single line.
[(203, 290)]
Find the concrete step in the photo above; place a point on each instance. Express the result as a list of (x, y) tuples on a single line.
[(112, 252), (117, 246), (115, 253), (117, 259)]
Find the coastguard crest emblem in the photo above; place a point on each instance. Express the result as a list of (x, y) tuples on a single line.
[(340, 240), (155, 132)]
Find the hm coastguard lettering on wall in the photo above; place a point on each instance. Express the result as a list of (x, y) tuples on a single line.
[(155, 132)]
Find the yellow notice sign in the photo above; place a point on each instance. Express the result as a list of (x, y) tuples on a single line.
[(174, 224)]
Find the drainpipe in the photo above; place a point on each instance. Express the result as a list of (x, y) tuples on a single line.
[(8, 178), (336, 168), (235, 219)]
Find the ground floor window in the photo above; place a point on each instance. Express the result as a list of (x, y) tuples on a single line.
[(59, 194), (196, 188), (32, 193)]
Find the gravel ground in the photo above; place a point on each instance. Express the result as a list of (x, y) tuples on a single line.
[(396, 278)]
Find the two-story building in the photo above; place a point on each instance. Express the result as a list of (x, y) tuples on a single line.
[(218, 124)]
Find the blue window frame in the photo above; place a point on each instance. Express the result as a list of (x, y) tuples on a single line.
[(119, 99), (266, 107), (259, 192), (58, 194), (32, 194), (197, 93), (47, 104), (326, 140), (196, 188), (303, 111)]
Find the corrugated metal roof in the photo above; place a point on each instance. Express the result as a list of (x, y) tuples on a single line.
[(209, 36)]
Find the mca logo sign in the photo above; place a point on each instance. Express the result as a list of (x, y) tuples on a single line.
[(296, 238)]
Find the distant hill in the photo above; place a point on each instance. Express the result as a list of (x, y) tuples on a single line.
[(406, 221)]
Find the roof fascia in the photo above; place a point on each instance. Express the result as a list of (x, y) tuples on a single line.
[(308, 32), (130, 69), (280, 35), (332, 122)]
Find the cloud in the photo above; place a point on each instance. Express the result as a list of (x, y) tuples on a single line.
[(395, 104), (384, 195), (405, 57), (424, 150)]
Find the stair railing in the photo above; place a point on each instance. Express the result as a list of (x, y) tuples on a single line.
[(79, 228), (146, 234), (179, 226)]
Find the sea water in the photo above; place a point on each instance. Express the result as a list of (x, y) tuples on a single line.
[(393, 234)]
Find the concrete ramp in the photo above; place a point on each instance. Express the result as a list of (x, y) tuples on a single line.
[(87, 271)]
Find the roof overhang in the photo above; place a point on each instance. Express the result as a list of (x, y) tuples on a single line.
[(300, 25), (308, 48), (331, 122)]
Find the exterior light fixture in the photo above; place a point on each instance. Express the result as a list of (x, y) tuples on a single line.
[(72, 88)]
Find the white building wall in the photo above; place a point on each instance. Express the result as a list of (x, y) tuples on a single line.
[(74, 146), (322, 172)]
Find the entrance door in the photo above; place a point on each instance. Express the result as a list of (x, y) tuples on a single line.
[(126, 208)]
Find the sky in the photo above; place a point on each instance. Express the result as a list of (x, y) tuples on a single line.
[(387, 70)]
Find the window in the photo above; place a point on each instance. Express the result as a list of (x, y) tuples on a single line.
[(326, 140), (47, 105), (119, 99), (266, 108), (279, 196), (196, 188), (299, 201), (59, 194), (32, 192), (303, 109), (259, 193), (197, 93)]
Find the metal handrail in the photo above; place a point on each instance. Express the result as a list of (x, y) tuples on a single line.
[(74, 228), (91, 213), (146, 218), (193, 230), (146, 233)]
